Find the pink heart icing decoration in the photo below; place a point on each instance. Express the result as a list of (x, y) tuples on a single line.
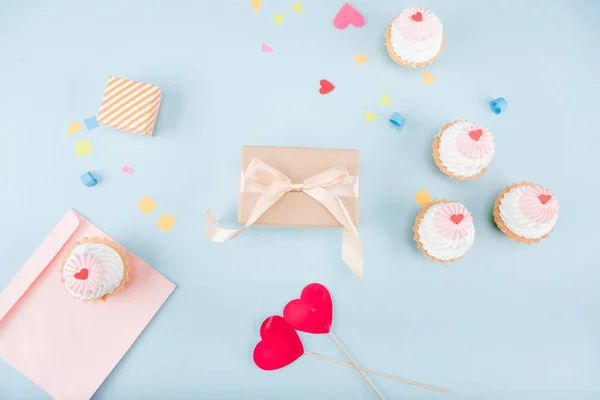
[(82, 275), (418, 17), (476, 134), (348, 15), (456, 218), (544, 198), (128, 170)]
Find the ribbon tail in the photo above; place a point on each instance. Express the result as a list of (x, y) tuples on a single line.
[(270, 196), (352, 248), (352, 252), (216, 234)]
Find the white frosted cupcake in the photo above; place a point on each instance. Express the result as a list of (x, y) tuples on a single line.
[(415, 37), (526, 212), (444, 230), (94, 269), (463, 150)]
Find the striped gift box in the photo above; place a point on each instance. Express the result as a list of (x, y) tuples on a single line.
[(130, 106)]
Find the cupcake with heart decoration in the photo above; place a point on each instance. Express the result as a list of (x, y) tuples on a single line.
[(94, 269), (444, 230), (463, 150), (415, 37), (526, 212)]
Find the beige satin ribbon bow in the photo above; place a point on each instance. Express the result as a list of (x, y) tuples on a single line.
[(323, 187)]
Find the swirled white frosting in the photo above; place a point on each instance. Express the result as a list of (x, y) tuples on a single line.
[(416, 35), (466, 148), (524, 214), (93, 270), (441, 236)]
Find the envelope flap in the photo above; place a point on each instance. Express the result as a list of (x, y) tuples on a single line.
[(38, 262)]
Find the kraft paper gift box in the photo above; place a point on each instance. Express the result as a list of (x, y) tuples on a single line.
[(64, 345), (298, 187), (296, 209)]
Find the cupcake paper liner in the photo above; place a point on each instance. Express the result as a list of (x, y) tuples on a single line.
[(420, 216), (400, 61), (116, 247), (438, 161), (500, 223)]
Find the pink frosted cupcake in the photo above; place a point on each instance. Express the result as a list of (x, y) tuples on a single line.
[(444, 230), (463, 150), (526, 212), (94, 269), (415, 37)]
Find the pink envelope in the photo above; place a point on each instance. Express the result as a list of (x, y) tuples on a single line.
[(64, 345)]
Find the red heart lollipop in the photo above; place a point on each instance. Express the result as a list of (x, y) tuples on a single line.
[(280, 344), (312, 312)]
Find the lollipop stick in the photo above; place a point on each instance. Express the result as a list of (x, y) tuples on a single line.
[(355, 365), (333, 360)]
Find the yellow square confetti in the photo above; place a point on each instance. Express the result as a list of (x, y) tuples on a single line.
[(165, 222), (423, 197), (83, 147), (147, 205)]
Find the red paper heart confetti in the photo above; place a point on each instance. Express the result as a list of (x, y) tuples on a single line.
[(476, 134), (418, 17), (280, 344), (326, 86), (456, 218), (544, 198), (82, 275), (312, 312)]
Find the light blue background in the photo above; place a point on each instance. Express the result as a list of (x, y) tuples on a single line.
[(508, 321)]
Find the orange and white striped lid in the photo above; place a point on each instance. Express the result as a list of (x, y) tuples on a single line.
[(130, 106)]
